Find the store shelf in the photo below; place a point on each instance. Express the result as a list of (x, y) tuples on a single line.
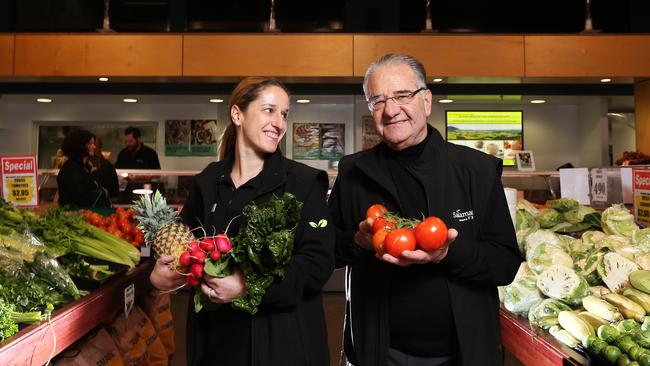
[(36, 344), (534, 347)]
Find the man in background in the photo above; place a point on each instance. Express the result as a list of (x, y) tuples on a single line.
[(136, 155)]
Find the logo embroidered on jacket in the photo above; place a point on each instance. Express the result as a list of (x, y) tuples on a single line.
[(463, 216), (321, 223)]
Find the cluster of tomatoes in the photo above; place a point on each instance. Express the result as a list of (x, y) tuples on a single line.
[(199, 251), (120, 224), (393, 234)]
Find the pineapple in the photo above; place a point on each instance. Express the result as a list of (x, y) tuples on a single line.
[(162, 227)]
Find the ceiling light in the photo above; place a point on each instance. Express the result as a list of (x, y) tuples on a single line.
[(130, 100), (446, 101), (303, 101), (143, 191), (538, 101), (605, 80), (216, 100), (437, 80), (44, 100), (103, 79)]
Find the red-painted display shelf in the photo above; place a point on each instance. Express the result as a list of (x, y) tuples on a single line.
[(535, 347), (35, 344)]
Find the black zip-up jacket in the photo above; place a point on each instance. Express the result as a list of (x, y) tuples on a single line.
[(462, 187), (289, 328), (78, 188)]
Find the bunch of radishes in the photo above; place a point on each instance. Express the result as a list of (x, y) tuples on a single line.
[(207, 248)]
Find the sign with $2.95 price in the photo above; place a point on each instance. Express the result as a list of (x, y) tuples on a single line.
[(19, 182)]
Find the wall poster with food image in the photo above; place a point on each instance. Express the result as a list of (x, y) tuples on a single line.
[(306, 141), (369, 136), (177, 138), (332, 141), (205, 137)]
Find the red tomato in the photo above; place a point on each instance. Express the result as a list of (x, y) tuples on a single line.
[(398, 241), (431, 233), (375, 211), (378, 240), (381, 223)]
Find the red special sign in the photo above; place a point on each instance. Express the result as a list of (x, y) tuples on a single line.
[(18, 166), (642, 179)]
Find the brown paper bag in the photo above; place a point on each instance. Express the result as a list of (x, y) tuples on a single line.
[(158, 308), (129, 341), (97, 348), (155, 348)]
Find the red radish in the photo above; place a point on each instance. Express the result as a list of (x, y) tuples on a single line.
[(185, 259), (223, 243), (207, 244), (193, 246), (215, 255), (198, 256), (196, 270), (193, 281)]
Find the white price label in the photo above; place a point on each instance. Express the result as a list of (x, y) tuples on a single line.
[(599, 186), (129, 298)]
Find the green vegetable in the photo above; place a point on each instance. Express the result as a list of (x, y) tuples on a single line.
[(50, 270), (617, 220), (611, 353), (521, 294), (8, 326), (642, 238), (563, 204), (545, 255), (563, 283), (548, 218), (544, 313), (525, 220)]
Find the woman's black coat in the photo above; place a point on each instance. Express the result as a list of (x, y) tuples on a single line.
[(463, 188), (289, 328), (78, 188)]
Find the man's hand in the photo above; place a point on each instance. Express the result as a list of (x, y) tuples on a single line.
[(226, 289), (363, 237), (164, 276), (420, 256)]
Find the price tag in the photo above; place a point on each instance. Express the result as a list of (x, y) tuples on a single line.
[(129, 298), (641, 185), (598, 185), (19, 183)]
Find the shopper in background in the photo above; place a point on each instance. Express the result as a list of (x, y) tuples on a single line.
[(425, 308), (103, 171), (77, 186), (289, 327), (136, 155)]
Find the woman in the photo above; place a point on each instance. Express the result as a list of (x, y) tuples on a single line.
[(77, 186), (289, 327), (103, 171)]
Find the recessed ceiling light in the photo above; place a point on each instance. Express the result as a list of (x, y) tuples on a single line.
[(538, 101), (130, 100), (437, 80), (44, 100), (605, 80), (103, 79), (216, 100), (445, 101), (303, 101)]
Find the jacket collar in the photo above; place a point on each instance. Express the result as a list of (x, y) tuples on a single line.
[(273, 174)]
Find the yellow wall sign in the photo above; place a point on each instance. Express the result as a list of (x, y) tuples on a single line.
[(641, 186), (19, 181)]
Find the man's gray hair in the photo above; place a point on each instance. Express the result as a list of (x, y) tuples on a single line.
[(397, 59)]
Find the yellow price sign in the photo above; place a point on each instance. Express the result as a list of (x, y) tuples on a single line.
[(642, 207), (20, 189)]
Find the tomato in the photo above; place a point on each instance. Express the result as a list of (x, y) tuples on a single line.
[(375, 211), (378, 240), (398, 241), (431, 233), (381, 223)]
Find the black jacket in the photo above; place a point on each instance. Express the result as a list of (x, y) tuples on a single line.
[(463, 188), (144, 158), (78, 188), (289, 328), (106, 176)]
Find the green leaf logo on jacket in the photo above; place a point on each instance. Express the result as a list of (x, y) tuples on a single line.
[(321, 223)]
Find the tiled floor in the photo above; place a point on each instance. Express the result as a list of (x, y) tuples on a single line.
[(334, 303)]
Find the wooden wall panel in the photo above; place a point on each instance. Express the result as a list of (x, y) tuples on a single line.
[(642, 118), (588, 55), (447, 55), (267, 54), (98, 54), (6, 54)]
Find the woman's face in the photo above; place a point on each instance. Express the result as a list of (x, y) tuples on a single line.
[(91, 147), (264, 122)]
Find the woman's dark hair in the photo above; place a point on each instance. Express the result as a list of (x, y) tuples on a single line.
[(75, 143), (245, 92)]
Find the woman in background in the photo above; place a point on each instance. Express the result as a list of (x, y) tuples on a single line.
[(77, 186), (289, 327), (103, 171)]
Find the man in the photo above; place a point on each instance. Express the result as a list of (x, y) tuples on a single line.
[(426, 308), (136, 155)]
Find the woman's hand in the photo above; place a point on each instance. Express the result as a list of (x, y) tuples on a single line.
[(420, 256), (226, 289), (363, 237), (164, 276)]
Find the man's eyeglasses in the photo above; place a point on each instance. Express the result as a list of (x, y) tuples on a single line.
[(379, 102)]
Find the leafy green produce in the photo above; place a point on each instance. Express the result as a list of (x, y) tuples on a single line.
[(548, 218), (521, 294), (544, 313), (8, 326), (617, 220), (563, 204), (29, 293)]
